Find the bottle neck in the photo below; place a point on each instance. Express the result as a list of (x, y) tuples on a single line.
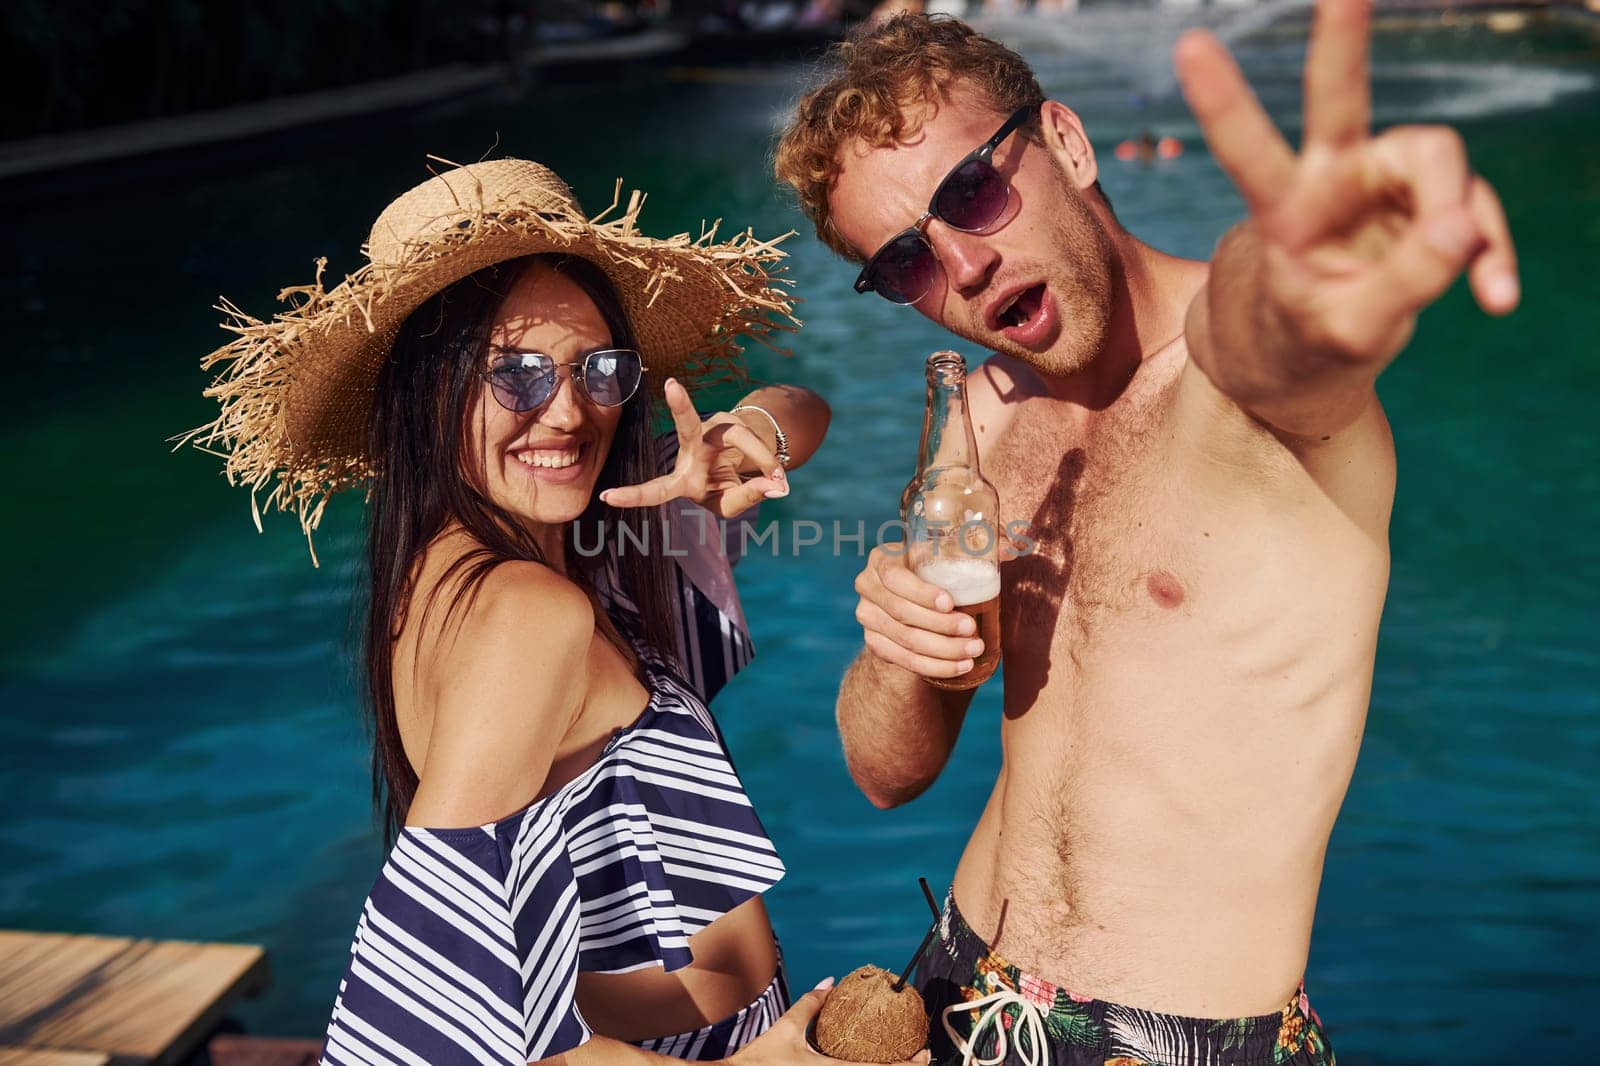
[(947, 437)]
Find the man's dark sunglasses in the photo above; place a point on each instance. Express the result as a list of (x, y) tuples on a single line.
[(522, 381), (970, 198)]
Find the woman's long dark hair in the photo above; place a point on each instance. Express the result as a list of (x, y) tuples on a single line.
[(425, 392)]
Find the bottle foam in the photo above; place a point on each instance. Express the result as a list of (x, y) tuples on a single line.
[(968, 581)]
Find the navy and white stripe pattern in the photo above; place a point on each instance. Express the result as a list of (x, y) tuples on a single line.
[(470, 945), (714, 648), (711, 646), (721, 1039)]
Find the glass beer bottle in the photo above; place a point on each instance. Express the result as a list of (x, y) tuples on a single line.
[(952, 515)]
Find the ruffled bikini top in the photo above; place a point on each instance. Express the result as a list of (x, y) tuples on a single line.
[(469, 947)]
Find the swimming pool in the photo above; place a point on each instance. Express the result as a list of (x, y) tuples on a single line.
[(180, 743)]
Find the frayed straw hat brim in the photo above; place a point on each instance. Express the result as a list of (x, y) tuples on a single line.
[(296, 391)]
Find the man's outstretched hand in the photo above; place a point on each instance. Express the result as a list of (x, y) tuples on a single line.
[(1347, 241)]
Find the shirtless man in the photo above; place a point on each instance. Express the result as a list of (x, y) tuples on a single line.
[(1207, 473)]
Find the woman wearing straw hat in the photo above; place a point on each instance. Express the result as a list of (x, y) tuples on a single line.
[(570, 874)]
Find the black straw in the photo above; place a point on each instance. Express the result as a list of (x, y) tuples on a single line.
[(927, 893), (932, 929)]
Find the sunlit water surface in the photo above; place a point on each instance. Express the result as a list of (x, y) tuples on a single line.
[(181, 745)]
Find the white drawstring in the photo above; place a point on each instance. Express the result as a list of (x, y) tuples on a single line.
[(1029, 1023)]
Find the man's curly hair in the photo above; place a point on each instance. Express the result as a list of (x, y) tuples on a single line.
[(872, 80)]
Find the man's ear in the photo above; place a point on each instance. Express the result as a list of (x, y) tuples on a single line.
[(1064, 137)]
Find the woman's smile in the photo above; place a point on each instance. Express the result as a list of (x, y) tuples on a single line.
[(556, 463)]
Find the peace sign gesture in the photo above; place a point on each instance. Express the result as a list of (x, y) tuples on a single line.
[(1357, 233), (711, 455)]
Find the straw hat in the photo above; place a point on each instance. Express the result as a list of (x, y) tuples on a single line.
[(296, 391)]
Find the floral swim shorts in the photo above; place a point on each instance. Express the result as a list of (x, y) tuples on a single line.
[(983, 1010)]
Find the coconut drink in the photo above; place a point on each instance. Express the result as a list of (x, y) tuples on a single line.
[(873, 1016)]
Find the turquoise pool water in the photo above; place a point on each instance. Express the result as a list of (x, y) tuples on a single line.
[(180, 745)]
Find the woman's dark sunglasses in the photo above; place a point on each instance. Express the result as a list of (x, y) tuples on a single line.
[(970, 198), (522, 381)]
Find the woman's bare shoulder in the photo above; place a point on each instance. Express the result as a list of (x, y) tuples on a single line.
[(519, 621), (509, 675)]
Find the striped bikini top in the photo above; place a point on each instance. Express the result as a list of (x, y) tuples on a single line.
[(469, 947)]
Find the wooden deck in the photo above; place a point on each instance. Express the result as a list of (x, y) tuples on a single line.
[(68, 1000), (230, 1050), (21, 1056)]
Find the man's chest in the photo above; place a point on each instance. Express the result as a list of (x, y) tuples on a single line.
[(1102, 522), (1141, 557)]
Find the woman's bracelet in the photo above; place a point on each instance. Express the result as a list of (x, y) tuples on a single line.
[(778, 435)]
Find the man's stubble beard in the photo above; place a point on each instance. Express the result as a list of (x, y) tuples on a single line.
[(1080, 282), (1082, 289)]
